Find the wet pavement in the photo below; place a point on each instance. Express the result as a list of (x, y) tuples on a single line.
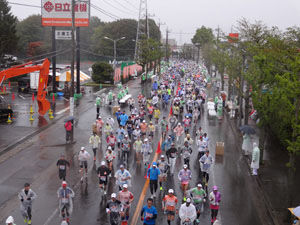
[(34, 161)]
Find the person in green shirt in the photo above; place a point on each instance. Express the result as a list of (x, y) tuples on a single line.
[(110, 97), (120, 96), (198, 195), (98, 104)]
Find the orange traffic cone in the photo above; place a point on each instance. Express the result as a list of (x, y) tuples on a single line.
[(9, 119)]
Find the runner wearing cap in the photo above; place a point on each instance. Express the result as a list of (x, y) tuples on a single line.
[(146, 152), (62, 165), (169, 203), (144, 128), (126, 198), (111, 140), (83, 157), (163, 166), (65, 195), (215, 199), (110, 156), (123, 177), (151, 129), (187, 213), (198, 195), (103, 173), (153, 174), (114, 208), (137, 147), (184, 176)]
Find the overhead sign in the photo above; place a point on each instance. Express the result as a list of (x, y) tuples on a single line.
[(63, 34), (233, 37), (59, 13)]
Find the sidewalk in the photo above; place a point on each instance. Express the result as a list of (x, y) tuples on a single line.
[(272, 183)]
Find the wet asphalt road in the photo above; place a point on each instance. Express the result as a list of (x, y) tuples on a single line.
[(34, 161)]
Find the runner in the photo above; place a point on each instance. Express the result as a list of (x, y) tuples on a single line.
[(163, 127), (215, 199), (169, 203), (99, 123), (95, 141), (156, 114), (184, 176), (171, 154), (123, 177), (10, 221), (149, 213), (146, 152), (179, 130), (163, 166), (205, 163), (111, 141), (65, 195), (126, 198), (186, 152), (83, 157), (103, 173), (26, 196), (98, 104), (198, 195), (62, 165), (152, 174), (110, 156), (114, 208), (137, 147), (187, 213)]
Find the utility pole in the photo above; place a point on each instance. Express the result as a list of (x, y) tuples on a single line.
[(167, 45), (53, 61), (72, 68), (78, 60)]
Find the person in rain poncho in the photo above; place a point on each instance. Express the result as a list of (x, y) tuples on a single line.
[(246, 146), (10, 221), (220, 108), (215, 199), (255, 159), (187, 212), (26, 197), (65, 195), (146, 151)]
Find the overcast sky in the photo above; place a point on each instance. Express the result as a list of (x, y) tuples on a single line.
[(185, 16)]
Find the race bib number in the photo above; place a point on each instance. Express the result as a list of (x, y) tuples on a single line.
[(103, 178), (65, 200), (62, 167)]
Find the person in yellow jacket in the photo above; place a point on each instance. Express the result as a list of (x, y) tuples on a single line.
[(156, 114)]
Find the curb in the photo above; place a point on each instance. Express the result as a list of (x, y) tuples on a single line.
[(258, 185)]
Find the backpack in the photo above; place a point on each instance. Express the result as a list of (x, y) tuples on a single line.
[(68, 126)]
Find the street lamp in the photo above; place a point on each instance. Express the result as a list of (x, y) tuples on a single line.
[(115, 46)]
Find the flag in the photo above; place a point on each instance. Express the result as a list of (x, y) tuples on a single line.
[(147, 171), (12, 96), (33, 97), (158, 150)]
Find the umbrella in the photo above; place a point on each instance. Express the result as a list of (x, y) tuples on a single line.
[(295, 211), (188, 114), (69, 118), (247, 129)]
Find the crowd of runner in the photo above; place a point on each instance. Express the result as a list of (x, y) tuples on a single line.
[(180, 91)]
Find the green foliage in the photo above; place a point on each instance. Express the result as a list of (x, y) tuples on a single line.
[(8, 37), (150, 51), (203, 36), (102, 72)]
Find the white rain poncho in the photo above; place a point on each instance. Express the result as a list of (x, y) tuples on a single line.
[(65, 196), (27, 201)]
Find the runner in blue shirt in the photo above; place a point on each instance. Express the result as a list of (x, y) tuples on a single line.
[(152, 174), (149, 213)]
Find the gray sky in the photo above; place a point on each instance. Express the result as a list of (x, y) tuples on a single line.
[(186, 15)]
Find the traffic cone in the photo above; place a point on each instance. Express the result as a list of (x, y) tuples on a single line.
[(31, 117), (9, 119), (171, 111), (31, 110), (50, 114)]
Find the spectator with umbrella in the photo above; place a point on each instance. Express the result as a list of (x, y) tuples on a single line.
[(247, 142)]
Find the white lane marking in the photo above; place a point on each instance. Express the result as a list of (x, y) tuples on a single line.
[(62, 111), (66, 99), (22, 97), (51, 217)]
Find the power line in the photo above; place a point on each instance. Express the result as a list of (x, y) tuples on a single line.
[(21, 4), (131, 4), (114, 17), (126, 7), (117, 8)]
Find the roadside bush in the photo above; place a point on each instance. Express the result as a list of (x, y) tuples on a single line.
[(102, 72)]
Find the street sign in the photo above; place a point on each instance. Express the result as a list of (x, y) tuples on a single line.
[(59, 13), (63, 35)]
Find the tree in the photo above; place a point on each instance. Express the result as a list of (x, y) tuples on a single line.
[(8, 37), (34, 39), (102, 72), (203, 36)]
